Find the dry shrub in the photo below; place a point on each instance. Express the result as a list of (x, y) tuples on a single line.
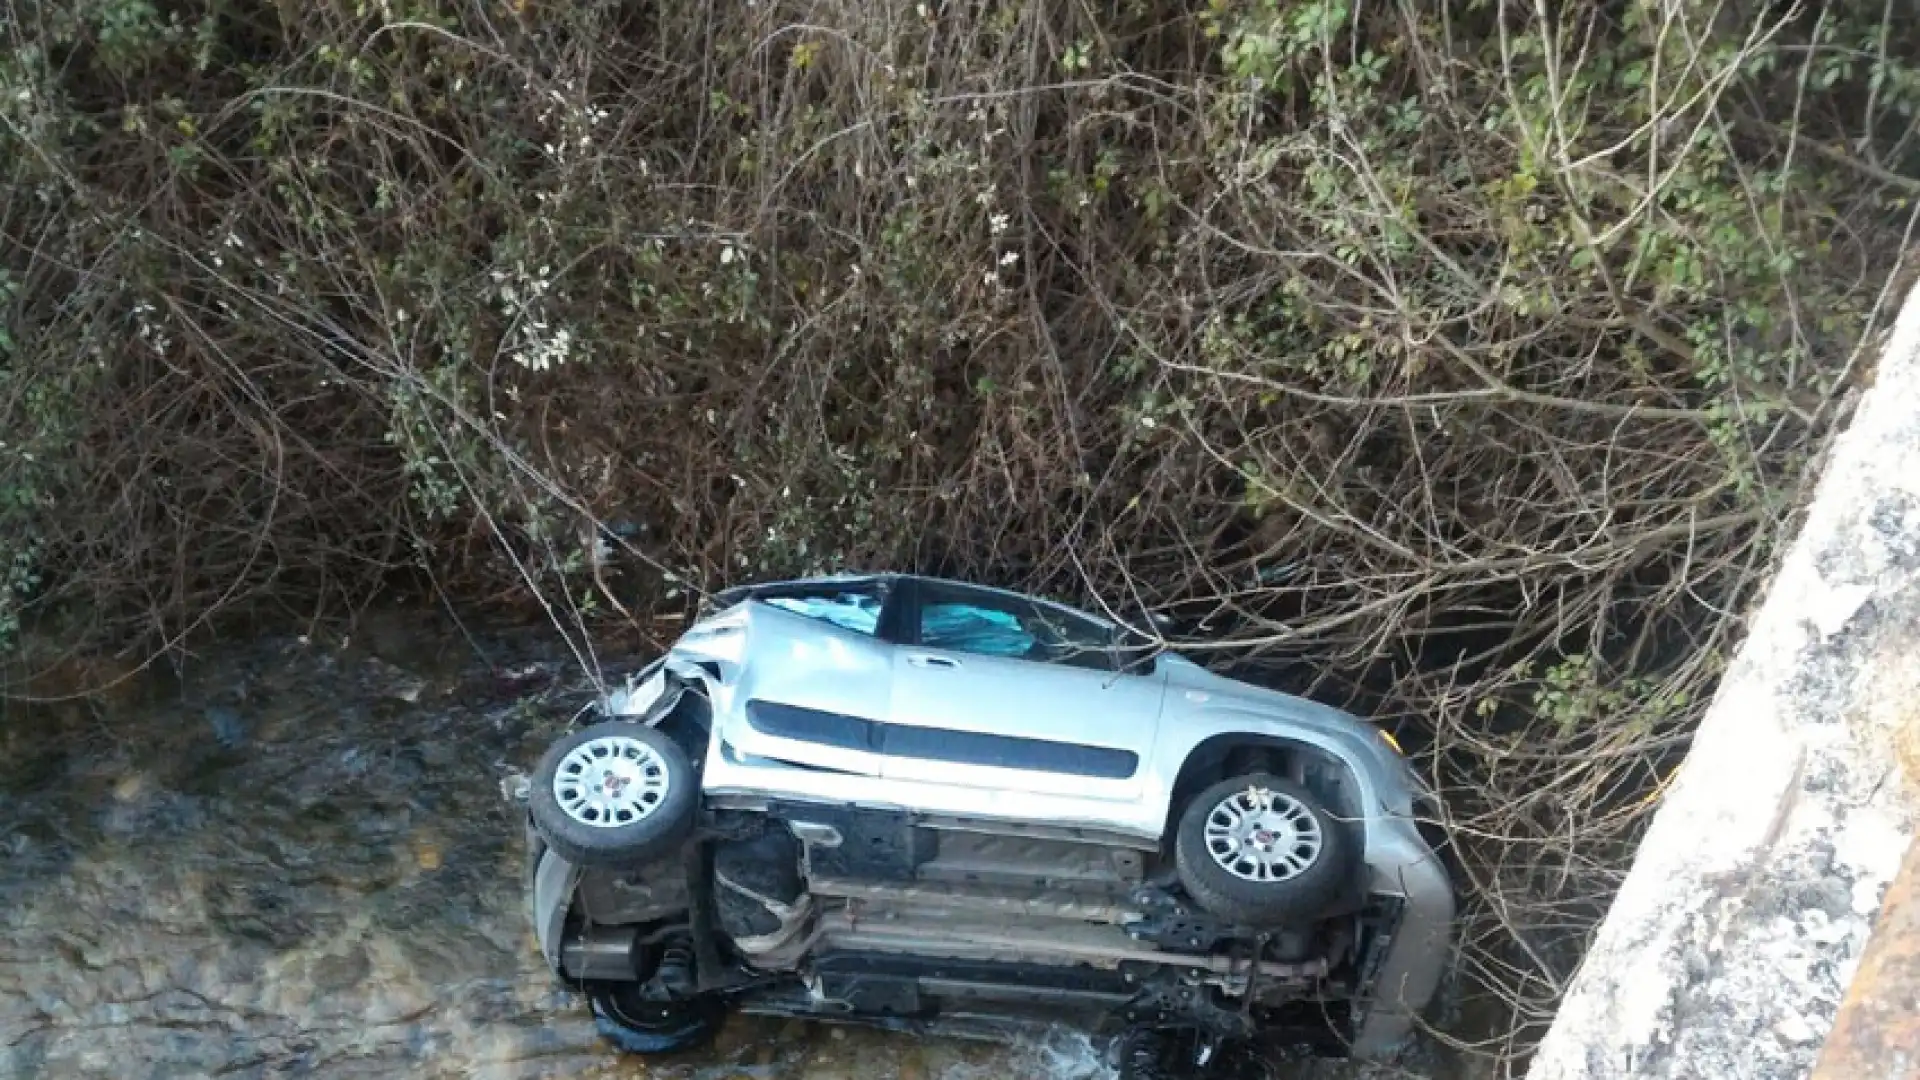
[(1461, 364)]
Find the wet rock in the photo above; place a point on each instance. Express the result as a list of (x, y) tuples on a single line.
[(227, 728), (392, 682), (438, 754), (523, 679), (151, 813), (515, 786), (257, 911), (342, 972)]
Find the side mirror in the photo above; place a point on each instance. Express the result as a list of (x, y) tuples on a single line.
[(1152, 624)]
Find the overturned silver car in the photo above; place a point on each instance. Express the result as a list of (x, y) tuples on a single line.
[(926, 805)]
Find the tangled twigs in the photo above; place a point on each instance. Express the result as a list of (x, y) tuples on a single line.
[(1460, 365)]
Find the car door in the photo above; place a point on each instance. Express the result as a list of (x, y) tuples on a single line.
[(819, 676), (996, 690)]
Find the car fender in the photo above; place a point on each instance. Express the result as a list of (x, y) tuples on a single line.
[(554, 881), (1398, 859), (1380, 777), (1380, 774)]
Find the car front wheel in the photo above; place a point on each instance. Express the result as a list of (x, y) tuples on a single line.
[(1262, 851), (614, 794)]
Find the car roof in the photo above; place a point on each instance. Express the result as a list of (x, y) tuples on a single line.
[(741, 592)]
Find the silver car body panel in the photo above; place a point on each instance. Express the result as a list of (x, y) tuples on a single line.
[(1162, 716)]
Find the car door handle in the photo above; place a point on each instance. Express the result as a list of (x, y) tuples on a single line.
[(924, 660)]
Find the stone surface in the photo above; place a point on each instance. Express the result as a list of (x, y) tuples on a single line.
[(1737, 931)]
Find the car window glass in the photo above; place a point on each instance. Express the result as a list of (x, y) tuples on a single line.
[(990, 625), (972, 628), (849, 609)]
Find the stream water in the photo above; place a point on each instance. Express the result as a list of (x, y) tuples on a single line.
[(290, 858)]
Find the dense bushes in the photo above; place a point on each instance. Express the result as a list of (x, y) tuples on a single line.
[(1472, 352)]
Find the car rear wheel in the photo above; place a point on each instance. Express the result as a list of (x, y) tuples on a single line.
[(1142, 1054), (614, 794), (1146, 1053), (638, 1026), (1262, 851)]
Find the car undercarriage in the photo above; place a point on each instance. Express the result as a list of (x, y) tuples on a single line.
[(963, 928)]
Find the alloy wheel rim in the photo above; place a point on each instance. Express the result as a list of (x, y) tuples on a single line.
[(1262, 835), (611, 782)]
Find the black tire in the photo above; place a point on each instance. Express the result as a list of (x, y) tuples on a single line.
[(652, 1028), (656, 834), (1306, 895), (1142, 1054)]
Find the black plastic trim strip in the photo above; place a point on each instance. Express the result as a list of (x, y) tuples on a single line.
[(812, 725), (844, 732)]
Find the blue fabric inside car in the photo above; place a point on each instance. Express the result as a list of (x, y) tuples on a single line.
[(851, 611), (966, 628)]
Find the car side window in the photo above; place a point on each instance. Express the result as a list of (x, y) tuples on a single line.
[(857, 609), (987, 624)]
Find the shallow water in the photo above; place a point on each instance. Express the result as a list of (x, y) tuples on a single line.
[(299, 859)]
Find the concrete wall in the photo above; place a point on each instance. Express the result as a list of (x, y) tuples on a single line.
[(1735, 934)]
